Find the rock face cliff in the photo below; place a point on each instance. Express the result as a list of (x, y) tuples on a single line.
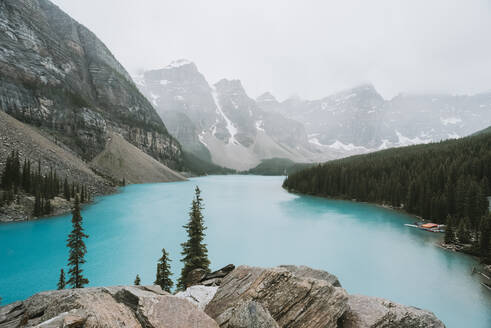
[(57, 75), (244, 297)]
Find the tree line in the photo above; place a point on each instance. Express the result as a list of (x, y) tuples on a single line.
[(445, 182), (194, 251), (24, 177)]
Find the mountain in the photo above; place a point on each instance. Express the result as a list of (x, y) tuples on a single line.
[(220, 123), (57, 75), (360, 120)]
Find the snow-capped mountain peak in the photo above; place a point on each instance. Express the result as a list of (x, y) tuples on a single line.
[(178, 63)]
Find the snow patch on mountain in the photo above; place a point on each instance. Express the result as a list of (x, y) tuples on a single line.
[(202, 138), (405, 141), (450, 120), (316, 142), (385, 144), (232, 130), (338, 145), (178, 63)]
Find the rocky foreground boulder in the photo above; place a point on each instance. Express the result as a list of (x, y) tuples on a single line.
[(374, 312), (298, 296), (130, 306), (244, 297), (292, 298)]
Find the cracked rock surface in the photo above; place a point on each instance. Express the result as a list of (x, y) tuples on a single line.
[(291, 297), (374, 312), (122, 306)]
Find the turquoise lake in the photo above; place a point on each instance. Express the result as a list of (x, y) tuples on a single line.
[(251, 220)]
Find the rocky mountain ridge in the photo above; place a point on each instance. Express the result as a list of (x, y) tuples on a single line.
[(220, 122), (360, 120), (57, 75)]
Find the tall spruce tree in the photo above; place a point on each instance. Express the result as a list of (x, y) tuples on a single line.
[(485, 239), (61, 281), (194, 251), (137, 280), (449, 231), (66, 190), (162, 277), (77, 248)]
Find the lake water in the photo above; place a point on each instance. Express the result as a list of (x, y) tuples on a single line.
[(251, 220)]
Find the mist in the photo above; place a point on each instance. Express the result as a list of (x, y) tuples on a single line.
[(306, 48)]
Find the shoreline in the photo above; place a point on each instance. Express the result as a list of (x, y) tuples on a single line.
[(94, 199), (457, 248)]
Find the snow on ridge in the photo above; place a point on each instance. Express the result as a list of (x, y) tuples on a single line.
[(232, 130), (385, 144), (201, 138), (178, 63), (450, 120), (338, 145), (405, 141), (316, 142)]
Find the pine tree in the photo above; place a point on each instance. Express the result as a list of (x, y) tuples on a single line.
[(77, 249), (485, 238), (37, 205), (66, 190), (61, 281), (194, 251), (463, 232), (449, 232), (162, 278), (137, 280)]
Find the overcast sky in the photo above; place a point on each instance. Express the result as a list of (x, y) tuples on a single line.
[(307, 48)]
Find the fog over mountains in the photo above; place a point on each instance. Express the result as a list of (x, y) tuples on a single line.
[(222, 124)]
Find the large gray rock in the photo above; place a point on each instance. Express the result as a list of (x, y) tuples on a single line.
[(121, 306), (198, 295), (373, 312), (291, 300), (303, 271), (251, 315)]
